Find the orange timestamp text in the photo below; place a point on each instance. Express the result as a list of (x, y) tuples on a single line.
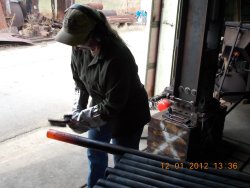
[(200, 165)]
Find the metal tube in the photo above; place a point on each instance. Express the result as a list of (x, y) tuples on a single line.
[(234, 181), (101, 146), (107, 183), (97, 186), (159, 177), (139, 178), (175, 174), (127, 182)]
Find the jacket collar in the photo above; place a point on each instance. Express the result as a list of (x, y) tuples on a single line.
[(97, 58)]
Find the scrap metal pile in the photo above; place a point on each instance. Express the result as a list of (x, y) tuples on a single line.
[(31, 25)]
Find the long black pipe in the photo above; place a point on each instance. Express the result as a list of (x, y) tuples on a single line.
[(159, 177), (101, 146), (127, 182), (119, 150), (139, 178), (176, 174), (107, 183), (229, 177), (98, 186)]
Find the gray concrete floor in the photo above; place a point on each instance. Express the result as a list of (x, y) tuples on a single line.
[(236, 135), (237, 125), (32, 160)]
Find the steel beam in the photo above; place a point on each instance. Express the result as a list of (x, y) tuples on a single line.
[(197, 50)]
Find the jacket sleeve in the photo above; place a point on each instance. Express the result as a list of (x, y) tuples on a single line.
[(82, 95)]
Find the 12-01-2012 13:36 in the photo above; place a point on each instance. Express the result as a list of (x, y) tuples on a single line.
[(200, 165)]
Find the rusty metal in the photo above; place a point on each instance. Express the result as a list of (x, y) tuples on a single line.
[(17, 15), (3, 23), (53, 5), (108, 13), (121, 19), (184, 134), (153, 47), (61, 7), (8, 38), (98, 6)]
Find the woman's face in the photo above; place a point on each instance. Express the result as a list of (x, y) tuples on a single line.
[(91, 44)]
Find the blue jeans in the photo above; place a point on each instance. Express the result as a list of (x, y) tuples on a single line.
[(98, 161)]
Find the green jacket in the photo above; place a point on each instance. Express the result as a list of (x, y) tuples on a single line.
[(112, 80)]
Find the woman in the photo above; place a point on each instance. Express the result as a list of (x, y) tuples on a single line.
[(104, 69)]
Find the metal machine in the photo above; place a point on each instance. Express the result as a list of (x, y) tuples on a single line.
[(193, 126), (194, 110)]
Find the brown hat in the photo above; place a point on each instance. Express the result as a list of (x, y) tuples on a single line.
[(77, 25)]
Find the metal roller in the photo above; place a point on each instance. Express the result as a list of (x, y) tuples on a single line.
[(160, 177), (97, 186), (127, 182), (207, 177), (175, 174), (140, 178), (98, 6), (107, 183)]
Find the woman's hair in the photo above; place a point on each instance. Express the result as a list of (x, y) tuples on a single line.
[(103, 31)]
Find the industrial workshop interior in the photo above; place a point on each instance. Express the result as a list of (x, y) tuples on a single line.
[(193, 59)]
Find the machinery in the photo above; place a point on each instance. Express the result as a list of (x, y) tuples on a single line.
[(207, 73), (233, 78), (196, 116)]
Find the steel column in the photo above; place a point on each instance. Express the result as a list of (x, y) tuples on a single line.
[(197, 50)]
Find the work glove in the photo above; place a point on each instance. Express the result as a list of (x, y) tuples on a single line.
[(91, 117), (75, 125), (83, 120)]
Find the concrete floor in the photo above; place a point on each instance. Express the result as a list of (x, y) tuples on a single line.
[(238, 124), (236, 136), (34, 161)]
